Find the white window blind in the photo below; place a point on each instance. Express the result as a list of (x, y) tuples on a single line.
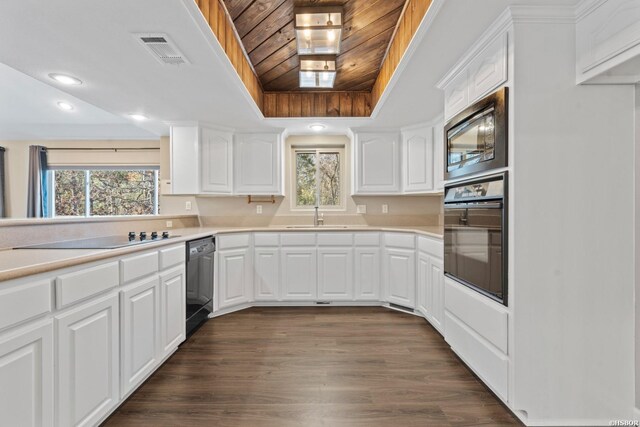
[(136, 158)]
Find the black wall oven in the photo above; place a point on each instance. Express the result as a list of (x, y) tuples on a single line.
[(475, 235), (476, 138)]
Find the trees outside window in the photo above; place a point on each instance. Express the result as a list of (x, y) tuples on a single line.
[(104, 192), (318, 178)]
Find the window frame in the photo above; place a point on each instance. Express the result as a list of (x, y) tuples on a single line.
[(87, 188), (317, 150)]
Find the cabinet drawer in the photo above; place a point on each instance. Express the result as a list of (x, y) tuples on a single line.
[(400, 240), (82, 284), (266, 239), (298, 239), (172, 256), (335, 239), (431, 246), (233, 241), (367, 239), (489, 364), (23, 302), (485, 317), (138, 266)]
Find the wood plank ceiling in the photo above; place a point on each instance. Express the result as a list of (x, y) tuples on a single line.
[(266, 29)]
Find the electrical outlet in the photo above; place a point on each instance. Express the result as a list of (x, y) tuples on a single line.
[(259, 209), (187, 206), (169, 224), (361, 209), (385, 209)]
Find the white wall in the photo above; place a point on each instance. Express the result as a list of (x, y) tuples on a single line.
[(574, 259)]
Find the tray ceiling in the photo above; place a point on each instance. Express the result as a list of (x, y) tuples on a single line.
[(266, 29)]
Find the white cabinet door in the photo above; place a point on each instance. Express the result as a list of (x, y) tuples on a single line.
[(424, 291), (216, 162), (418, 161), (140, 327), (367, 274), (400, 276), (377, 163), (184, 162), (488, 70), (172, 310), (335, 274), (234, 277), (267, 274), (456, 95), (26, 376), (299, 274), (436, 283), (608, 42), (88, 362), (257, 164)]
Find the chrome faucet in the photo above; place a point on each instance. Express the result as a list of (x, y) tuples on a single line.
[(318, 220)]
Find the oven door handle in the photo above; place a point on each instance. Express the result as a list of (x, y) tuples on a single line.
[(479, 205)]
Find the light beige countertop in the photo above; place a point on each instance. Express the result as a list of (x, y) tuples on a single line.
[(18, 263)]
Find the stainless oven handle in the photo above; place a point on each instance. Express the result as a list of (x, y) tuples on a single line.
[(492, 205)]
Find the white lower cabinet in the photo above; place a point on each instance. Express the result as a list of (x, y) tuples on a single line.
[(88, 362), (400, 276), (140, 327), (423, 293), (335, 274), (436, 283), (299, 274), (172, 310), (367, 274), (234, 286), (266, 274), (26, 376)]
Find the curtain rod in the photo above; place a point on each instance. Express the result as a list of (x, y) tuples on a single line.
[(103, 149)]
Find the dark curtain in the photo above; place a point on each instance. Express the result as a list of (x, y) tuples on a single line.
[(37, 200), (3, 212)]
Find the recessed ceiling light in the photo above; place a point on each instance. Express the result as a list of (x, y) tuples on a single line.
[(317, 127), (65, 80), (138, 117), (65, 106)]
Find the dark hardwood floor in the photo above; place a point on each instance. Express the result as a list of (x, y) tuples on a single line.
[(313, 367)]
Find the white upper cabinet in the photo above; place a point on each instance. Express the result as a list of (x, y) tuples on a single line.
[(216, 157), (608, 42), (456, 95), (258, 164), (489, 69), (185, 152), (438, 156), (377, 163), (477, 75), (418, 160)]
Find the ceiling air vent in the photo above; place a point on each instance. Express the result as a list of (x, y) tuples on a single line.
[(162, 48)]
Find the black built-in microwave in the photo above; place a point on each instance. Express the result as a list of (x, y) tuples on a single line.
[(476, 138)]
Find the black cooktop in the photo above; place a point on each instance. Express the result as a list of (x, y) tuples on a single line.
[(107, 242)]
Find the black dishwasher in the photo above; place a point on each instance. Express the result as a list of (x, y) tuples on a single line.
[(200, 270)]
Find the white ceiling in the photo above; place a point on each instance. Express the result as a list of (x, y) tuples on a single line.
[(94, 41)]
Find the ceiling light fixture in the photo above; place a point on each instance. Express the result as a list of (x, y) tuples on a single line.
[(317, 127), (317, 71), (64, 79), (65, 106), (138, 117), (318, 30)]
